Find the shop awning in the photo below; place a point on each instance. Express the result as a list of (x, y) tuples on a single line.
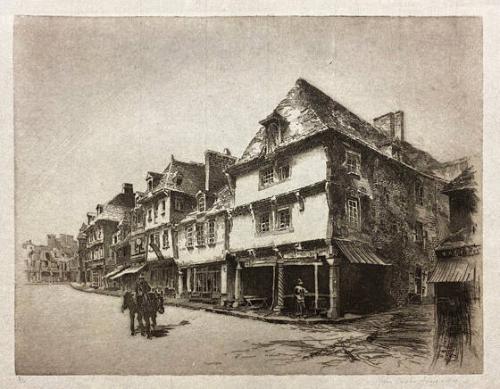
[(359, 253), (454, 270), (115, 271), (129, 270)]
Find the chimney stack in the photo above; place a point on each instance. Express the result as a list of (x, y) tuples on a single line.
[(391, 124), (128, 188), (215, 165)]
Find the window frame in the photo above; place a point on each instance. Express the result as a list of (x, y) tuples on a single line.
[(350, 219), (211, 235), (279, 171), (165, 241), (357, 158), (200, 234), (268, 223), (189, 236), (277, 226), (419, 192), (178, 204), (419, 233), (201, 200), (265, 174)]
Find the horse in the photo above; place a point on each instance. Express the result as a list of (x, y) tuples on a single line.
[(146, 310)]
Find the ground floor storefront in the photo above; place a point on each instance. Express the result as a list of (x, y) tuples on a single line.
[(162, 275), (207, 282), (346, 277)]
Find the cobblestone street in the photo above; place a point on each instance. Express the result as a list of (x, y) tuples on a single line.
[(71, 332)]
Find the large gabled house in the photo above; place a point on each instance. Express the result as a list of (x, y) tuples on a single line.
[(349, 207)]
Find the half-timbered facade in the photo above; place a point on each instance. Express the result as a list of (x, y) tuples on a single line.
[(350, 208)]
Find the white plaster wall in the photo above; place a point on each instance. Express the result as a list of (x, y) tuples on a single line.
[(167, 252), (203, 253), (306, 168), (309, 224), (161, 219)]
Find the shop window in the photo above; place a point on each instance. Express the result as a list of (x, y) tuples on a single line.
[(419, 192), (165, 239), (264, 222), (353, 162), (211, 232), (207, 280), (189, 236), (353, 214), (200, 234), (283, 219)]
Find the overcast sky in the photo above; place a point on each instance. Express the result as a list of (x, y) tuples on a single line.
[(101, 101)]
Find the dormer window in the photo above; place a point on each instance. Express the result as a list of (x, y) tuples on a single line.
[(99, 209), (273, 136), (178, 179), (150, 184)]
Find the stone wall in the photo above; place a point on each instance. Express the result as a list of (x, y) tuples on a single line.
[(385, 190)]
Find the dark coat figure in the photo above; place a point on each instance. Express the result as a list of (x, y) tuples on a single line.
[(300, 292)]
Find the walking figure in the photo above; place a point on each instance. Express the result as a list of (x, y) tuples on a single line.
[(300, 292)]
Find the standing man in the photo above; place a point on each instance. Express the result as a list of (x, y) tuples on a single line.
[(300, 292)]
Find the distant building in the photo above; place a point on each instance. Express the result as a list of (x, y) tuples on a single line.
[(51, 262)]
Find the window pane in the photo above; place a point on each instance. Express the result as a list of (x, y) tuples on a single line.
[(264, 222), (267, 176), (283, 219)]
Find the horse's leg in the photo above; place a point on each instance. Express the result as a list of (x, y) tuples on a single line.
[(153, 319), (132, 324), (148, 324), (139, 319)]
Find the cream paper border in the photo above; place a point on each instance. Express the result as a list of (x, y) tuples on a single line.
[(490, 13)]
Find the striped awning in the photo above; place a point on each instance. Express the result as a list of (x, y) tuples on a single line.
[(113, 272), (454, 270), (359, 253), (129, 270)]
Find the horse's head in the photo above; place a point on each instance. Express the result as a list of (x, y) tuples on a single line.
[(128, 298), (157, 300)]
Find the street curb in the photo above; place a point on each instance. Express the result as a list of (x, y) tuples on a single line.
[(241, 315)]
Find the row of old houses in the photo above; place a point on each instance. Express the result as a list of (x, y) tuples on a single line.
[(348, 207)]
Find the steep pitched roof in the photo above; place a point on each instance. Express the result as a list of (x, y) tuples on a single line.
[(309, 111), (186, 177)]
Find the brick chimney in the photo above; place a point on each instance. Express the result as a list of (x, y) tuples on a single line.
[(215, 165), (391, 124), (128, 188)]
